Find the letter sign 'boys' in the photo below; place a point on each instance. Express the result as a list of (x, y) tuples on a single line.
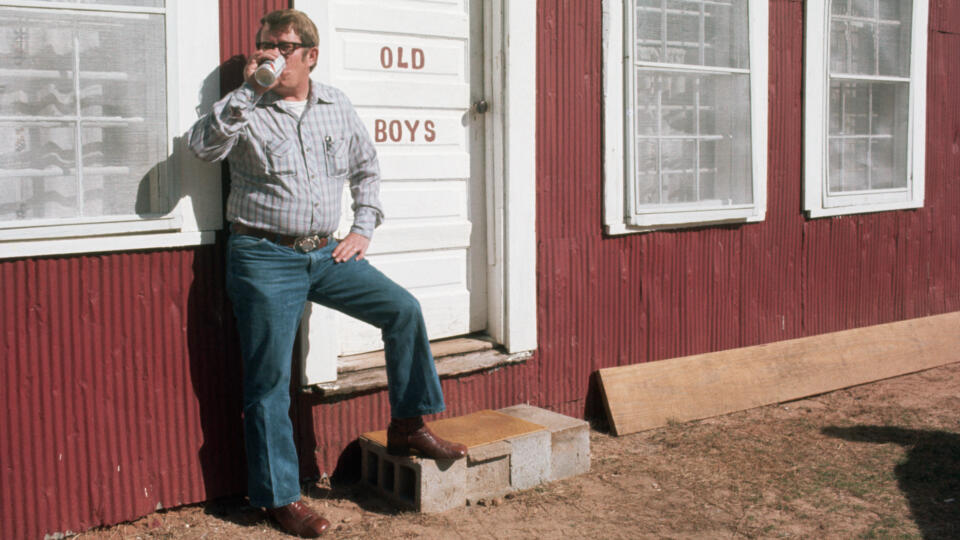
[(404, 130)]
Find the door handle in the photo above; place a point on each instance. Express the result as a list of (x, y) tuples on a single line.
[(481, 106)]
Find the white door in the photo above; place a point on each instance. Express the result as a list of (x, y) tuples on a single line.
[(413, 69)]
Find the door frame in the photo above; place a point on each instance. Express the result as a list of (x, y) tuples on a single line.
[(511, 44)]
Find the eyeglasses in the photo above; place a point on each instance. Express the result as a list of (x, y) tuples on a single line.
[(285, 47)]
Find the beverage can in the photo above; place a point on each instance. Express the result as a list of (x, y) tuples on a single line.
[(268, 71)]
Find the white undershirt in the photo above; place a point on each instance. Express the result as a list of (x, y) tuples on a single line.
[(296, 107)]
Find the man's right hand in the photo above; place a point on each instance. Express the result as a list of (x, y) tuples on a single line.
[(253, 62)]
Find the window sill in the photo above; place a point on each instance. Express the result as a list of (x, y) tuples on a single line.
[(617, 229), (126, 242), (862, 209), (362, 373)]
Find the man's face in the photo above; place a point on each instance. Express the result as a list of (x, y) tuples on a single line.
[(296, 75)]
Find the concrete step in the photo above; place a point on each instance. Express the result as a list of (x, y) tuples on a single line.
[(569, 439), (512, 449)]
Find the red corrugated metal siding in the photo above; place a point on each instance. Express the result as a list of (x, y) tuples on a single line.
[(888, 266), (110, 369), (771, 283), (611, 301), (129, 359), (239, 22), (568, 162), (121, 385), (945, 16)]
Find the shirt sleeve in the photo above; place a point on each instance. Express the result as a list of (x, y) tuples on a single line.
[(213, 136), (364, 179)]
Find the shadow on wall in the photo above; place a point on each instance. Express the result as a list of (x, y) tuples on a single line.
[(216, 376), (929, 477), (594, 408), (154, 196), (215, 364)]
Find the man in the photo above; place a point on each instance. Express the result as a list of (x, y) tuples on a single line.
[(291, 146)]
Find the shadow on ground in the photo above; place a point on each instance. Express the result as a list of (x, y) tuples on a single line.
[(237, 510), (929, 476)]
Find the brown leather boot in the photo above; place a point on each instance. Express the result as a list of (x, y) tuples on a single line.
[(298, 519), (406, 436)]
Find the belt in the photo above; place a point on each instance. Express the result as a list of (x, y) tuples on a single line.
[(303, 244)]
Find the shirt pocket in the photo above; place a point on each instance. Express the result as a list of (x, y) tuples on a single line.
[(337, 155), (281, 157)]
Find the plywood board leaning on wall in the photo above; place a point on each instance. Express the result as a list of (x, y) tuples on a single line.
[(649, 395)]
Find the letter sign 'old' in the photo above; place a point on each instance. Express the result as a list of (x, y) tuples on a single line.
[(404, 130), (415, 60)]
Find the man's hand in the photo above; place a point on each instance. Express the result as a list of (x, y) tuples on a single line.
[(353, 245), (253, 62)]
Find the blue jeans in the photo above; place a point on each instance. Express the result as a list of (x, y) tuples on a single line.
[(269, 285)]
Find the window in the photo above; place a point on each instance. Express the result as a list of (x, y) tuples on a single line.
[(89, 107), (865, 90), (686, 98)]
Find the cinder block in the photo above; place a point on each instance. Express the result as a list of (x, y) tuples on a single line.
[(529, 459), (488, 452), (516, 448), (488, 471), (570, 439), (424, 485), (442, 485)]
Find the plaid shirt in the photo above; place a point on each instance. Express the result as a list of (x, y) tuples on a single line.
[(287, 173)]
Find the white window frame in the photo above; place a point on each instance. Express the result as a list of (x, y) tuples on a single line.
[(817, 201), (618, 116), (193, 57)]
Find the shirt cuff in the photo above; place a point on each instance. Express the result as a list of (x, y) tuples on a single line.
[(242, 100), (365, 220), (366, 232), (246, 92)]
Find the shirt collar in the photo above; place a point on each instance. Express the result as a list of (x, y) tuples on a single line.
[(319, 93)]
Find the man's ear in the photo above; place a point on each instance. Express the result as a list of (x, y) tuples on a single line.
[(312, 55)]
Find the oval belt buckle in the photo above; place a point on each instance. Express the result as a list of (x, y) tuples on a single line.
[(306, 244)]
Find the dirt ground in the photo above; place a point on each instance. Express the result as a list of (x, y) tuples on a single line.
[(876, 461)]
